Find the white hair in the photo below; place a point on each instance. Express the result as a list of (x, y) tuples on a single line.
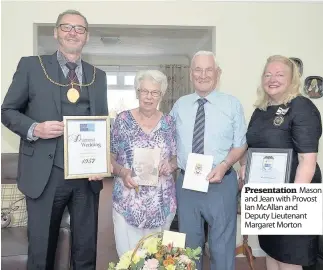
[(154, 75), (205, 53)]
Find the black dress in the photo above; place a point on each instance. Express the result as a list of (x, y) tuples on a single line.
[(300, 130)]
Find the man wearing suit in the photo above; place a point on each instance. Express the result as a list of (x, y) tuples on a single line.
[(211, 123), (33, 108)]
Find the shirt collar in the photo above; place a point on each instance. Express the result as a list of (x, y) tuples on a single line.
[(210, 97), (62, 59)]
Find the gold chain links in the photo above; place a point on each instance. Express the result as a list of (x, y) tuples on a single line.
[(72, 83)]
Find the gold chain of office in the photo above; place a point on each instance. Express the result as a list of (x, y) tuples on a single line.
[(72, 83)]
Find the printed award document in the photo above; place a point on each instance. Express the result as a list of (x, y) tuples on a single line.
[(145, 166), (197, 168), (268, 165), (86, 146)]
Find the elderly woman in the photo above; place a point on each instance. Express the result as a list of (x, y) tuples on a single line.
[(139, 210), (283, 118)]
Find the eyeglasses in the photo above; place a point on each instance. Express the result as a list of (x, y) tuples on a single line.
[(201, 70), (145, 92), (68, 28)]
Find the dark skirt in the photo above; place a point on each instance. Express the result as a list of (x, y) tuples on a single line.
[(291, 249)]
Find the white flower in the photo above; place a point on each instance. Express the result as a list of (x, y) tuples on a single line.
[(151, 264), (184, 259), (141, 253)]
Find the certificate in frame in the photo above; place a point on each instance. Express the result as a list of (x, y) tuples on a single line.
[(86, 146), (268, 165)]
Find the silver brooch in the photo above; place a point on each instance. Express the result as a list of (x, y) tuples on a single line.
[(279, 119)]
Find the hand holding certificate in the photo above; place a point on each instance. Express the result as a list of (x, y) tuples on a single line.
[(86, 147), (197, 169)]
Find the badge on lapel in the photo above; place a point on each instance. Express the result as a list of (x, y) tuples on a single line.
[(279, 119)]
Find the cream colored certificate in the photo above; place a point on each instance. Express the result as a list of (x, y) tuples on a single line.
[(86, 146), (197, 168), (145, 168), (175, 239)]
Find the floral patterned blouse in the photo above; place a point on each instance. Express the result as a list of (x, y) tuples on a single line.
[(149, 207)]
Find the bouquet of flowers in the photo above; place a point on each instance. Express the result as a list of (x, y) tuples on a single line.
[(150, 254)]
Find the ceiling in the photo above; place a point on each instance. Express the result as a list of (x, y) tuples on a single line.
[(136, 41)]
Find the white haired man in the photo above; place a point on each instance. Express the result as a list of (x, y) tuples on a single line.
[(211, 123)]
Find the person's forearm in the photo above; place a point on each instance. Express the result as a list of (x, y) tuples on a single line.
[(16, 100), (16, 121), (306, 168), (243, 159), (117, 168), (234, 155), (173, 163)]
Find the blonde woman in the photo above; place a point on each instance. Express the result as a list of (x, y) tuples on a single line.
[(283, 118)]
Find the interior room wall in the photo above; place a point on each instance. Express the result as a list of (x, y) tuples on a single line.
[(246, 34)]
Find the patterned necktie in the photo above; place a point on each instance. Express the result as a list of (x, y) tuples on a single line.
[(198, 135), (72, 74)]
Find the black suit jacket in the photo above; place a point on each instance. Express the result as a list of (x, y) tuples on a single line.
[(31, 98)]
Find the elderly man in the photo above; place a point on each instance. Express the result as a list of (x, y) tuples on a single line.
[(211, 123), (43, 90)]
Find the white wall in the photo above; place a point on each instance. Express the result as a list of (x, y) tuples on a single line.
[(246, 34), (100, 60)]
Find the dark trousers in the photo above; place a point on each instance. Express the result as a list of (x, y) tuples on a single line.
[(44, 218)]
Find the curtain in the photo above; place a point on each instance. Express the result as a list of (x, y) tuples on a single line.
[(178, 85)]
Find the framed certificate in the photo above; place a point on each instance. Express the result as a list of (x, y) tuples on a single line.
[(86, 146), (268, 165)]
